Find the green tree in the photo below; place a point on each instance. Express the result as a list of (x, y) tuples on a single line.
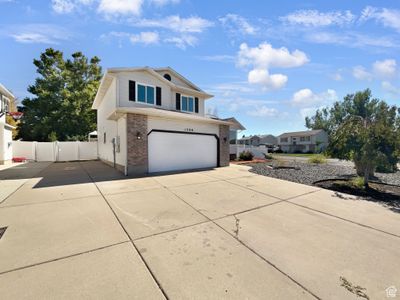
[(363, 129), (63, 94)]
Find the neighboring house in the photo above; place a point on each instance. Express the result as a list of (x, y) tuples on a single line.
[(5, 129), (235, 127), (153, 120), (268, 140), (303, 141), (252, 140)]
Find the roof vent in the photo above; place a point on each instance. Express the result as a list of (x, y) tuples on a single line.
[(167, 76)]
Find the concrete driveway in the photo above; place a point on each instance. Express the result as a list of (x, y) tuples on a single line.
[(82, 231)]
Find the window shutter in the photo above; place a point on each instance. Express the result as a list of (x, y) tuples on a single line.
[(178, 101), (132, 90), (158, 96), (196, 105)]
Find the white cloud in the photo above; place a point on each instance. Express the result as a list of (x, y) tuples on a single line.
[(269, 82), (306, 97), (68, 6), (384, 68), (264, 57), (147, 38), (120, 7), (218, 58), (390, 88), (360, 73), (237, 24), (176, 23), (63, 6), (351, 39), (183, 41), (164, 2), (38, 34), (388, 17), (263, 111), (315, 18)]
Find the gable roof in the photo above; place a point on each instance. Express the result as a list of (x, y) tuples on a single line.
[(236, 124), (301, 133), (249, 138), (6, 92), (109, 75), (176, 74)]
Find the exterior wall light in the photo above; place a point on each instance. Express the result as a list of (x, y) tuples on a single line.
[(138, 135)]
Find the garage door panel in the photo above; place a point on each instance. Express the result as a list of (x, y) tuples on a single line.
[(181, 151)]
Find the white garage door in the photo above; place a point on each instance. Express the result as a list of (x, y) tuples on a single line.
[(181, 151)]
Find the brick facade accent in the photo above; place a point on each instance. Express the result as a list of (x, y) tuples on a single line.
[(137, 152), (223, 145)]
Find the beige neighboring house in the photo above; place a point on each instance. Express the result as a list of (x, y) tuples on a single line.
[(153, 120), (252, 140), (268, 140), (5, 129), (303, 141)]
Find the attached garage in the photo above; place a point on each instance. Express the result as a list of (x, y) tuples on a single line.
[(179, 150)]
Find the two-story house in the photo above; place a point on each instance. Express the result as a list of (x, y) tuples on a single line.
[(5, 129), (153, 120), (303, 141), (268, 140), (252, 140)]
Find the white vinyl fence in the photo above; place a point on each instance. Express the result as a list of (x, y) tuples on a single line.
[(55, 151), (258, 151)]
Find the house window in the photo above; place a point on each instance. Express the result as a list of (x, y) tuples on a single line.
[(187, 103), (305, 139), (145, 93), (284, 140), (104, 138)]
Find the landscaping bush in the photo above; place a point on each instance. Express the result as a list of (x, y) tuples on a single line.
[(358, 182), (268, 156), (309, 152), (386, 167), (278, 151), (246, 155), (317, 159), (298, 152)]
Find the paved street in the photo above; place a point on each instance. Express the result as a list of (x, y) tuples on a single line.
[(82, 230)]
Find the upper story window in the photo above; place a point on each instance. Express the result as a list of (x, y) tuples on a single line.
[(305, 138), (3, 104), (187, 103), (284, 140), (145, 93)]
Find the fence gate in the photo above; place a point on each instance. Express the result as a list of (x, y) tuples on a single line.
[(55, 151)]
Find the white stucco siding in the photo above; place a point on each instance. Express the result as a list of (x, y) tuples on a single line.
[(168, 100), (5, 144), (107, 127), (181, 125), (168, 95)]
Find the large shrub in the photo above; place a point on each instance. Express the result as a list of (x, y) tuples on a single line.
[(246, 155)]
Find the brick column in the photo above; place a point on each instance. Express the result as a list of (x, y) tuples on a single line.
[(223, 145), (137, 151)]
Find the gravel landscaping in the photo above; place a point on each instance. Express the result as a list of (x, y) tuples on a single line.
[(307, 173)]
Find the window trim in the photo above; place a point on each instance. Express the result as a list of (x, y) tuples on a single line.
[(146, 85), (194, 104)]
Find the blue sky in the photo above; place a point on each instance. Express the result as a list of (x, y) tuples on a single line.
[(268, 63)]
